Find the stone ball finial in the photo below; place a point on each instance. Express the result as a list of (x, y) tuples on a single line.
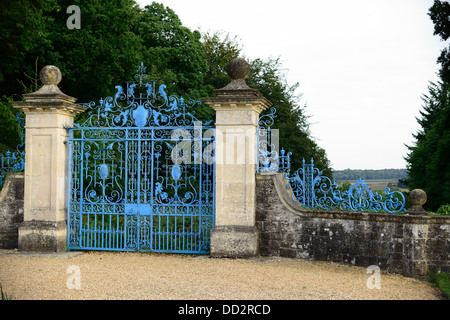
[(418, 198), (50, 75), (238, 69)]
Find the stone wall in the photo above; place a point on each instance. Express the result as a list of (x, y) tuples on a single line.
[(404, 244), (11, 210)]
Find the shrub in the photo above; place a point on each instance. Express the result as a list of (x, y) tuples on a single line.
[(442, 281), (442, 210)]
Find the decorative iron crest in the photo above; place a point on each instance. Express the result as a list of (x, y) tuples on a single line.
[(313, 190), (270, 159), (146, 105)]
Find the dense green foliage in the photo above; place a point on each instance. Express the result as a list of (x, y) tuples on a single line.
[(443, 210), (173, 54), (115, 36), (439, 14), (92, 59), (427, 160), (428, 165), (10, 136)]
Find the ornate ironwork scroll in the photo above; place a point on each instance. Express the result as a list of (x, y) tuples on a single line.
[(270, 159), (141, 173), (313, 190)]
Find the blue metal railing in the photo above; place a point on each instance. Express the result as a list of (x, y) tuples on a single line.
[(14, 161), (313, 190), (270, 159)]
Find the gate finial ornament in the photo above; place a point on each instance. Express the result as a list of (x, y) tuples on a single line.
[(238, 69), (418, 198), (50, 75)]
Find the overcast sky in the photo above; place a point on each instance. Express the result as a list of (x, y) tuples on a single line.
[(362, 65)]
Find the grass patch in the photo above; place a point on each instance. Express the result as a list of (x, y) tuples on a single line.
[(442, 281), (4, 295)]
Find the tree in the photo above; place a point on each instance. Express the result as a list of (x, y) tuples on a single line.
[(173, 54), (102, 53), (268, 76), (24, 36), (427, 160), (10, 137), (434, 104), (92, 59), (439, 14), (219, 50)]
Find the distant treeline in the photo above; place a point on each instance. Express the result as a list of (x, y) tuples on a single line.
[(349, 174)]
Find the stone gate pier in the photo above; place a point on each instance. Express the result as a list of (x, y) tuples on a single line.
[(47, 112), (237, 113)]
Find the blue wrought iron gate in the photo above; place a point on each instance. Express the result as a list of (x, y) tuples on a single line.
[(141, 174)]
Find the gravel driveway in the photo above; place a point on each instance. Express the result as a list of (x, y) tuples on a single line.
[(111, 275)]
